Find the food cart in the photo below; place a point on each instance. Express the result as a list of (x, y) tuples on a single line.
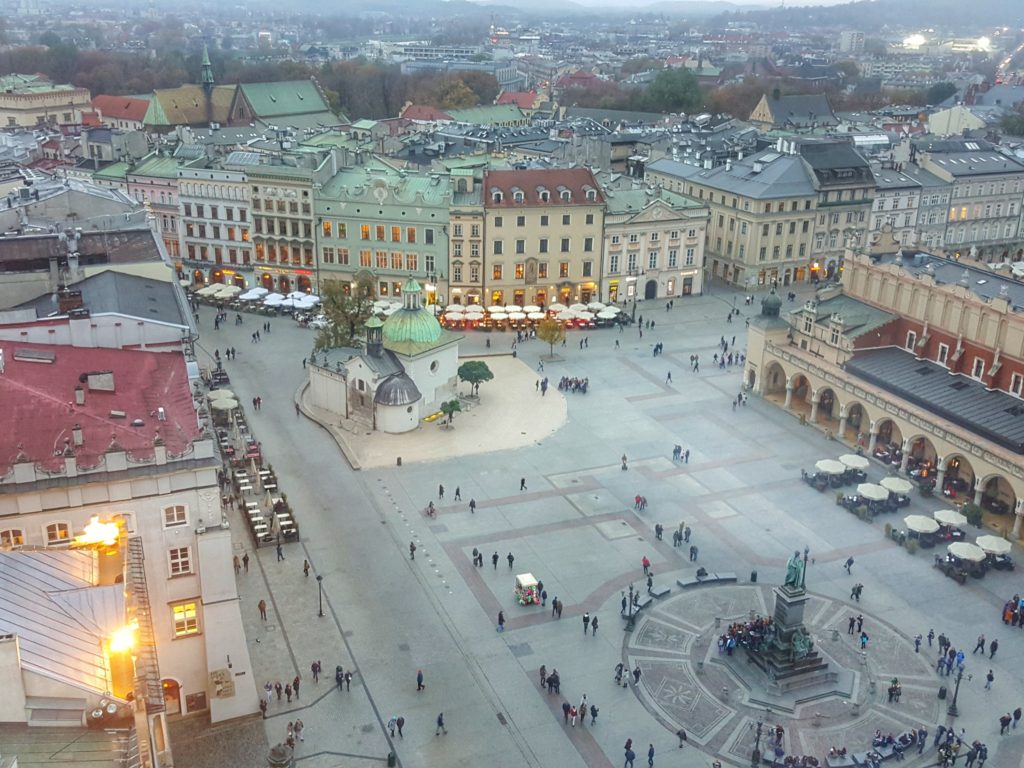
[(526, 590)]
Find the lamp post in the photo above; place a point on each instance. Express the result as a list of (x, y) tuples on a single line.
[(631, 620), (803, 573), (320, 587), (632, 276), (755, 757), (952, 710)]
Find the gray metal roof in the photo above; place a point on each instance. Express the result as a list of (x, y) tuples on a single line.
[(780, 176), (397, 389), (858, 318), (118, 292), (992, 415), (982, 282), (48, 600)]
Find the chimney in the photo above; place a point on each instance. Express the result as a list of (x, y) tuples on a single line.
[(778, 144), (68, 300), (728, 165), (76, 435), (79, 395)]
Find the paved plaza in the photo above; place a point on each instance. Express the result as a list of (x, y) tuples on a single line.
[(575, 528)]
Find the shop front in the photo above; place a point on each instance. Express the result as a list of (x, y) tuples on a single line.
[(588, 293)]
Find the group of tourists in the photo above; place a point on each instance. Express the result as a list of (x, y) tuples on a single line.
[(751, 634), (573, 384), (1013, 612)]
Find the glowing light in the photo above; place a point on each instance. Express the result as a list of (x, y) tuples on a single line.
[(984, 44), (123, 639), (97, 533), (914, 41)]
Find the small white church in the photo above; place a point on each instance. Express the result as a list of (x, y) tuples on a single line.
[(408, 367)]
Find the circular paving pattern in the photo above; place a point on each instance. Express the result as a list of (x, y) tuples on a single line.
[(718, 699)]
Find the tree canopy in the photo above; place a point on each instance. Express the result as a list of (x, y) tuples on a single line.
[(552, 331), (449, 408), (939, 92), (346, 313), (475, 372)]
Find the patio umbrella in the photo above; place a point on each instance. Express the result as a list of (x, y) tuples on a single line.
[(455, 308), (474, 313), (578, 307), (271, 297), (312, 297), (297, 295), (229, 290), (454, 317), (604, 314), (565, 314), (258, 291), (208, 290), (516, 315), (224, 404), (531, 308), (853, 461), (965, 551), (220, 394), (949, 517), (536, 315), (831, 467), (921, 524), (499, 316), (495, 308), (249, 296), (557, 307), (585, 315), (872, 492), (595, 306), (993, 545), (896, 484), (613, 309)]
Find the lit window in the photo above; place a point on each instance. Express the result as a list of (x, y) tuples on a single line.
[(58, 533), (176, 515), (396, 234), (520, 270), (496, 272), (410, 234), (179, 560), (563, 269), (186, 619), (12, 537), (327, 229), (364, 232)]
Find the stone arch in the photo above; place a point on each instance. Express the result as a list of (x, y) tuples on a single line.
[(958, 476), (886, 441), (920, 457), (856, 423), (827, 412), (800, 395), (751, 379), (996, 494), (773, 382)]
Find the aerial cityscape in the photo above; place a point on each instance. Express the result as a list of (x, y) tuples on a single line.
[(354, 359)]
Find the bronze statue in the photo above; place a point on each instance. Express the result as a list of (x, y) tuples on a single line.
[(794, 572)]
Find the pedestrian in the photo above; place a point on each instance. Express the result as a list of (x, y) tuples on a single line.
[(593, 627), (299, 728), (682, 737), (522, 483), (494, 560), (543, 598), (593, 714), (573, 714), (860, 623), (543, 675), (1004, 723), (458, 493), (559, 607), (419, 680), (989, 679), (625, 602), (472, 506), (636, 675), (295, 685), (315, 669), (237, 564), (992, 648), (288, 691), (668, 378), (412, 550), (586, 621), (848, 565), (917, 644), (511, 559), (262, 605), (931, 636), (440, 725), (852, 623), (245, 562), (401, 724), (280, 552), (566, 708), (278, 689), (348, 680), (686, 530), (1016, 716), (979, 645), (650, 756), (501, 621), (630, 754), (305, 568), (392, 724), (440, 492), (263, 708), (646, 564), (297, 409)]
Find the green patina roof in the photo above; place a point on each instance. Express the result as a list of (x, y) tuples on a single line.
[(156, 166), (113, 172), (373, 322), (289, 97), (493, 114), (411, 286), (416, 326)]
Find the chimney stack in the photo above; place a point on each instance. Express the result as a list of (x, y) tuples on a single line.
[(68, 300), (76, 435)]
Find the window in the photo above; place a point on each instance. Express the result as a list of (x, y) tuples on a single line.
[(911, 341), (15, 537), (456, 230), (457, 250), (497, 249), (474, 273), (808, 324), (364, 232), (410, 234), (943, 354), (396, 234), (498, 220), (543, 245), (615, 239), (396, 260), (327, 256), (520, 221), (381, 232), (343, 256), (186, 619), (428, 236), (381, 259), (496, 272), (631, 262), (588, 269), (474, 229), (544, 221), (978, 368), (590, 218), (58, 533), (411, 262), (175, 515), (474, 250), (764, 231), (834, 336), (179, 561), (542, 270), (365, 258), (613, 263), (778, 228), (520, 246), (652, 260), (691, 255), (1016, 384), (566, 219), (563, 269), (673, 257), (520, 270), (327, 229), (565, 245), (456, 274)]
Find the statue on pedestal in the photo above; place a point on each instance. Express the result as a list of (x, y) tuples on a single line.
[(794, 572)]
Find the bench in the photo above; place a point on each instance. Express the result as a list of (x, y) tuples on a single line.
[(840, 762), (660, 591), (644, 600), (711, 578)]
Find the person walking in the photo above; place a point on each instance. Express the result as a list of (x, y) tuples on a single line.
[(1016, 716), (262, 605), (630, 754), (501, 621), (593, 714), (511, 559), (494, 560), (1004, 723), (566, 708), (440, 493), (989, 679), (636, 675), (593, 627), (522, 483), (458, 493), (650, 756), (315, 669), (992, 648), (392, 724), (586, 621), (646, 565), (238, 565), (681, 733), (401, 724), (440, 725), (848, 565), (305, 568), (419, 680), (412, 550), (280, 552), (472, 506), (245, 562), (979, 645)]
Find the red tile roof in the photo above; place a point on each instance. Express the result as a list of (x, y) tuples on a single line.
[(39, 408), (423, 112), (532, 183), (123, 107), (522, 99)]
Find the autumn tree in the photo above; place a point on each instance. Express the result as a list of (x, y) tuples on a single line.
[(346, 312), (673, 90), (552, 331)]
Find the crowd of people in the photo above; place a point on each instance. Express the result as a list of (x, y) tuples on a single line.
[(751, 634), (1013, 612), (573, 384)]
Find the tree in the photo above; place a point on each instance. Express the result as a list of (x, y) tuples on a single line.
[(939, 92), (673, 90), (552, 331), (475, 372), (345, 312), (449, 408), (1013, 123)]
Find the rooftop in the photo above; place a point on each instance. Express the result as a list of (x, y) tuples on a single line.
[(129, 246), (37, 389), (991, 414), (780, 176), (983, 283), (857, 317), (532, 184)]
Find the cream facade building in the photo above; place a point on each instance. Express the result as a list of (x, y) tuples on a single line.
[(27, 101), (215, 226)]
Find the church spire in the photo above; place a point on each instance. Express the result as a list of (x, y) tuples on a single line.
[(206, 78)]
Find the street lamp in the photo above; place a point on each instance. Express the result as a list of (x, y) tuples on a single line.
[(952, 710), (632, 276), (755, 757), (320, 587), (803, 573), (630, 623)]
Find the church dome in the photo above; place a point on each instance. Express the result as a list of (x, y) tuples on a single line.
[(397, 389), (412, 323), (771, 304)]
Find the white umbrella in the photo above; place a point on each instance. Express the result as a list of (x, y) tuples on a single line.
[(455, 308), (495, 308), (965, 551), (297, 295), (312, 297), (258, 291), (249, 296), (896, 484), (224, 404), (220, 394), (516, 315), (612, 309), (585, 315), (853, 461), (993, 545), (556, 307), (949, 517), (595, 306), (921, 524), (273, 297), (604, 314), (454, 317), (474, 312), (536, 315), (531, 308), (208, 290), (230, 290), (499, 316), (578, 307), (872, 492), (565, 314), (831, 467), (275, 300)]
